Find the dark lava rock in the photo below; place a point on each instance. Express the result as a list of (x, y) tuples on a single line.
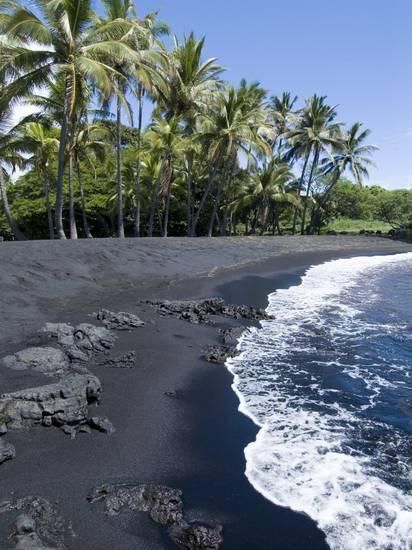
[(7, 451), (25, 534), (49, 361), (58, 404), (82, 342), (165, 507), (124, 361), (102, 424), (230, 336), (196, 536), (199, 312), (162, 503), (118, 321), (220, 354), (38, 525)]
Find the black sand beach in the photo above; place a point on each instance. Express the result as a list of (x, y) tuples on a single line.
[(175, 415)]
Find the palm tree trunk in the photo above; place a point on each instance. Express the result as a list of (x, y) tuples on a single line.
[(60, 167), (48, 206), (305, 206), (322, 202), (138, 168), (302, 179), (169, 192), (189, 193), (153, 204), (230, 167), (212, 177), (18, 235), (120, 222), (73, 227), (83, 203)]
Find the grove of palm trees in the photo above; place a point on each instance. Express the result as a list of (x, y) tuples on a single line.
[(213, 159)]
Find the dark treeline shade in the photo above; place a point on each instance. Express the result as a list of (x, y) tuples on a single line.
[(214, 160)]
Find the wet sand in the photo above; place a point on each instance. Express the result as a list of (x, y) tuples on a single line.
[(193, 441)]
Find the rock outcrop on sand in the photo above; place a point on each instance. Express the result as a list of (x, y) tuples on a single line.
[(46, 360), (124, 361), (7, 451), (118, 321), (201, 311), (64, 403), (220, 354), (165, 506), (82, 342), (38, 525)]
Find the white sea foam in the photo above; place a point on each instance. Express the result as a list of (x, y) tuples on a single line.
[(305, 455)]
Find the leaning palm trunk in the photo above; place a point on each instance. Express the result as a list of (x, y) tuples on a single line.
[(321, 203), (83, 203), (138, 168), (60, 167), (215, 206), (212, 177), (120, 222), (219, 194), (189, 193), (72, 217), (301, 181), (19, 236), (168, 196), (305, 206), (153, 204), (48, 206)]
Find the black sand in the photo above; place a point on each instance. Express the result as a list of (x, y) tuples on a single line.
[(193, 441)]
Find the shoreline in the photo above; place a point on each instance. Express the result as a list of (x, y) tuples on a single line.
[(200, 426)]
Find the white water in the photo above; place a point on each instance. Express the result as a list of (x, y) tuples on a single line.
[(300, 458)]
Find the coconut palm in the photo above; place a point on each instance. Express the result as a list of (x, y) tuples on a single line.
[(68, 48), (8, 155), (350, 153), (89, 146), (167, 141), (282, 115), (314, 133), (183, 89), (41, 143), (234, 123), (270, 190)]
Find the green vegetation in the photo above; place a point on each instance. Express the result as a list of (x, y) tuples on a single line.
[(214, 159)]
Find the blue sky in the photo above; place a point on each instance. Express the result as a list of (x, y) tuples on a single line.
[(357, 52)]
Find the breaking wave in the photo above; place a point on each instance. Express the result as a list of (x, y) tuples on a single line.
[(329, 383)]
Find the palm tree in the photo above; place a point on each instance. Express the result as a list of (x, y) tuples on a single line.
[(90, 147), (70, 49), (183, 89), (41, 143), (9, 156), (167, 141), (235, 122), (282, 115), (314, 133), (351, 154), (270, 191)]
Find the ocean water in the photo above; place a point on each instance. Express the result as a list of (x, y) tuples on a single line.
[(329, 383)]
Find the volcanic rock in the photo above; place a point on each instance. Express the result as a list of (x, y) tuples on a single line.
[(81, 342), (7, 451), (118, 321), (49, 361), (58, 404), (199, 312), (38, 525)]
